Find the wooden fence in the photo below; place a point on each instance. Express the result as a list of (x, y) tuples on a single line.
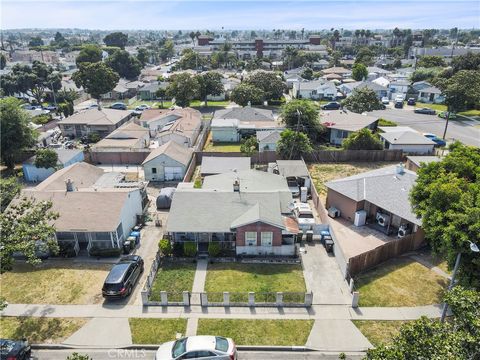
[(258, 158), (353, 155)]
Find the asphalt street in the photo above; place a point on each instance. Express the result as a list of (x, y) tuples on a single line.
[(467, 132), (132, 354)]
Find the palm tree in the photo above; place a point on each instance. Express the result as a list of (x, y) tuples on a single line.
[(226, 47), (357, 34), (192, 36)]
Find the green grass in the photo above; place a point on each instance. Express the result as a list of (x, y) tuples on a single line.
[(400, 282), (156, 331), (221, 147), (67, 283), (472, 112), (438, 107), (197, 178), (258, 332), (39, 329), (435, 260), (259, 278), (379, 331), (384, 122), (173, 278), (322, 173), (198, 103)]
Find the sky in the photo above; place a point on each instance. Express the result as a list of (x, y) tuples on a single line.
[(238, 15)]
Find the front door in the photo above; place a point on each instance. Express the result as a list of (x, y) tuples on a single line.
[(203, 241)]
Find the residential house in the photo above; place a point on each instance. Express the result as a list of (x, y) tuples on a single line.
[(179, 125), (383, 81), (292, 78), (213, 165), (379, 199), (338, 70), (119, 92), (398, 87), (231, 125), (427, 93), (268, 139), (341, 124), (96, 209), (289, 169), (408, 140), (320, 64), (315, 90), (168, 162), (149, 91), (415, 162), (380, 91), (66, 158), (101, 121), (247, 212), (374, 72)]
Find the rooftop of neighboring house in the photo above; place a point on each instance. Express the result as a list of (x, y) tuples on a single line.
[(245, 114), (154, 86), (377, 70), (254, 125), (346, 120), (97, 117), (126, 136), (336, 70), (173, 150), (387, 188), (179, 121), (64, 156), (419, 160), (431, 90), (269, 136), (219, 165), (370, 85), (288, 168), (406, 138), (315, 85)]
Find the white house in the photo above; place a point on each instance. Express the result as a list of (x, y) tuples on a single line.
[(315, 90), (268, 139), (66, 157), (168, 162), (406, 139), (343, 123)]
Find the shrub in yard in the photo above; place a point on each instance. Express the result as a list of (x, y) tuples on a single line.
[(165, 247), (66, 249), (41, 119), (93, 137), (111, 252), (178, 249), (189, 249), (213, 249)]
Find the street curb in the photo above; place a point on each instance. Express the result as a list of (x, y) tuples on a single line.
[(155, 347)]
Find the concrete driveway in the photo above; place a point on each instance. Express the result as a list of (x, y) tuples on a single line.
[(465, 131)]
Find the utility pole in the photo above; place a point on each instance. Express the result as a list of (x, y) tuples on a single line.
[(447, 117)]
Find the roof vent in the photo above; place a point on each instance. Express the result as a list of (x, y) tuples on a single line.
[(236, 186), (69, 185)]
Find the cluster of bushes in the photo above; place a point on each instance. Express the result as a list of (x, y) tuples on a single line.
[(42, 119), (187, 249), (66, 108), (109, 252)]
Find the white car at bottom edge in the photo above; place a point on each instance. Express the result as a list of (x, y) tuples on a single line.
[(198, 347)]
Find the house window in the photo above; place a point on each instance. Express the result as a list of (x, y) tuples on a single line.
[(250, 238), (267, 238), (154, 170)]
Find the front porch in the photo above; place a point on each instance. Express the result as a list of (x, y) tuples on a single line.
[(226, 241)]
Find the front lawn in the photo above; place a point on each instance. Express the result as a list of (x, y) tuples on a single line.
[(259, 278), (54, 282), (221, 147), (379, 331), (152, 103), (438, 107), (324, 172), (384, 122), (173, 277), (156, 331), (39, 329), (258, 332), (400, 282)]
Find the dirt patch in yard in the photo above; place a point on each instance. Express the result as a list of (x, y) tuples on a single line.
[(54, 282)]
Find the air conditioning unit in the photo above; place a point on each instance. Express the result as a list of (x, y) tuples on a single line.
[(333, 212), (403, 231), (382, 219)]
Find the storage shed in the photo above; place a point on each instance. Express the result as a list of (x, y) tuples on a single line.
[(164, 199)]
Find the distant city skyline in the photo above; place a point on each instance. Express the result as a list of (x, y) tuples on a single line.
[(246, 15)]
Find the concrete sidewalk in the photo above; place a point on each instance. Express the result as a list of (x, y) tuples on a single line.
[(107, 332), (337, 335), (316, 312)]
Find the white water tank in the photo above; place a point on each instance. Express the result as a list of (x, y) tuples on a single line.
[(303, 194), (360, 218)]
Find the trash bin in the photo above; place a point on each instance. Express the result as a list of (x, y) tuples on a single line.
[(309, 235), (329, 245), (136, 235), (127, 245)]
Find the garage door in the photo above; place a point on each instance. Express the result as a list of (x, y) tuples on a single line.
[(173, 173)]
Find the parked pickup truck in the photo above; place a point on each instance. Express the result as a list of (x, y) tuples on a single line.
[(304, 216)]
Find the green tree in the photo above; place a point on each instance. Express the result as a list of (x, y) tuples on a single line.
[(365, 56), (165, 247), (16, 135), (96, 78), (303, 115), (46, 158), (190, 60), (469, 61), (293, 144), (124, 64), (3, 61), (77, 356), (26, 227), (167, 50), (117, 39), (9, 188), (307, 74), (184, 88), (143, 56), (424, 74), (161, 94), (359, 72), (447, 197), (426, 338), (361, 100), (249, 146), (429, 61), (35, 41), (245, 94), (462, 90), (268, 82), (89, 53), (362, 140), (210, 83)]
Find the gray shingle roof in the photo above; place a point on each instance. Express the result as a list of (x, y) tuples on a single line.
[(406, 138), (269, 136), (219, 165), (292, 168), (382, 187), (418, 160), (172, 150), (245, 114)]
